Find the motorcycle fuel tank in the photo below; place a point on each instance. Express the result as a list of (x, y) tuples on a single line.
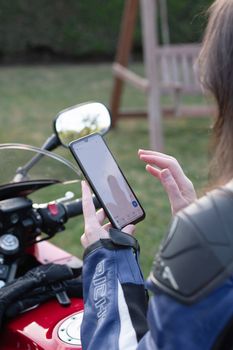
[(46, 327)]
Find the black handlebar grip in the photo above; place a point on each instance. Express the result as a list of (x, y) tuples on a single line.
[(75, 208)]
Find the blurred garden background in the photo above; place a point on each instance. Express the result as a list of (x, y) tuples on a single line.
[(58, 53)]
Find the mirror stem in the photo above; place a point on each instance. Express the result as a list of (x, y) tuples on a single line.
[(50, 144)]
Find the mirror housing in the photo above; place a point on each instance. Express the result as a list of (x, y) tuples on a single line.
[(81, 120)]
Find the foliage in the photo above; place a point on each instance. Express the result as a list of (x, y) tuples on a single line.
[(187, 19), (66, 27), (83, 29)]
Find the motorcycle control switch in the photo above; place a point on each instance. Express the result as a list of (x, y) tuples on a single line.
[(53, 209)]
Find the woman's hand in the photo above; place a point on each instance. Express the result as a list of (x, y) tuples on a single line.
[(93, 221), (179, 188)]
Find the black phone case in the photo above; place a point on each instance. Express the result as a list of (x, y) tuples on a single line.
[(108, 213)]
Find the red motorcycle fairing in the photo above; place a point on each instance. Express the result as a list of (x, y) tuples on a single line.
[(46, 252), (46, 327)]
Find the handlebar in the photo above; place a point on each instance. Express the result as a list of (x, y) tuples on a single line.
[(75, 208), (27, 221), (54, 215)]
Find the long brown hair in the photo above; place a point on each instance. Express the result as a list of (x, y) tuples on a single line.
[(216, 74)]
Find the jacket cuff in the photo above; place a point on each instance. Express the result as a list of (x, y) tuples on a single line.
[(117, 240)]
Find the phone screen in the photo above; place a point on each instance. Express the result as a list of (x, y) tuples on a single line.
[(107, 180)]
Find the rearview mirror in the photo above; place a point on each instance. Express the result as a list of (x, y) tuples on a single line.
[(81, 120)]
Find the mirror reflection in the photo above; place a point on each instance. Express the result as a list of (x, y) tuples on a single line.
[(82, 120)]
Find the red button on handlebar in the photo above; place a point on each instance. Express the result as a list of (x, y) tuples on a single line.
[(53, 208)]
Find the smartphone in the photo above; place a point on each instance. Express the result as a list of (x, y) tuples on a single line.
[(107, 180)]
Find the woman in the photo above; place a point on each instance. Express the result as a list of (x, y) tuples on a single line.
[(191, 279)]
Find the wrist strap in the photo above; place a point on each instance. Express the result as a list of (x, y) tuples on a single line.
[(117, 240), (120, 238)]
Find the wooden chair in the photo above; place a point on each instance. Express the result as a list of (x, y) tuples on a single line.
[(168, 68)]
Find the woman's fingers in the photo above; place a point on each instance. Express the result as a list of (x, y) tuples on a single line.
[(163, 163), (176, 198), (93, 221), (84, 240), (142, 152), (93, 230), (106, 227), (101, 216), (89, 213), (130, 229), (184, 184), (166, 168), (153, 171)]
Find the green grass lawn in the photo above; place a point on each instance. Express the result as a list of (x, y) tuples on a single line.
[(30, 97)]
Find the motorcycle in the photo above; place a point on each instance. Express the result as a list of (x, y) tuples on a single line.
[(26, 226)]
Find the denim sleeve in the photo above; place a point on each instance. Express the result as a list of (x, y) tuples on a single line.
[(115, 300)]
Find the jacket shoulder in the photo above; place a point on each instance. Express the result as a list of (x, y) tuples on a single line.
[(196, 255)]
